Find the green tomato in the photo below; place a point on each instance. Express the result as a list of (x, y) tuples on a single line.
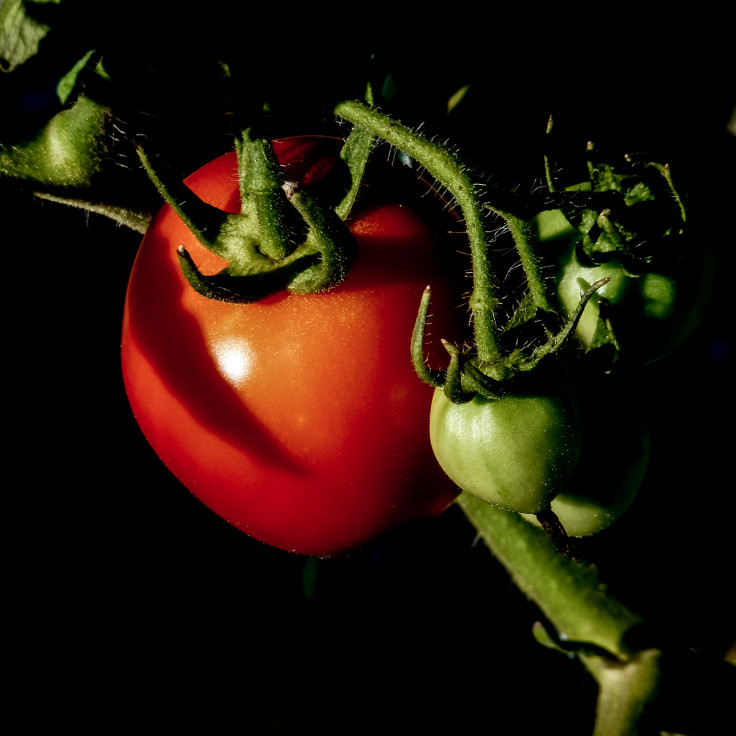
[(643, 316), (614, 454), (516, 452)]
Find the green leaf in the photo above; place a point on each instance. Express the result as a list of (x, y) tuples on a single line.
[(68, 82), (20, 34)]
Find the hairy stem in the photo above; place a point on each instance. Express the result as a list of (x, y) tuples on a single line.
[(445, 167), (522, 233)]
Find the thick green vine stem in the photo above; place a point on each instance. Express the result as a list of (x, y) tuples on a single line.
[(645, 686), (571, 595), (626, 691), (576, 602), (446, 168)]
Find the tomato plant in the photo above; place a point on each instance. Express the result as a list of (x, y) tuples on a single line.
[(297, 418), (515, 452)]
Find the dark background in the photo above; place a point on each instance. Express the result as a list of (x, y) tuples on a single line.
[(135, 608)]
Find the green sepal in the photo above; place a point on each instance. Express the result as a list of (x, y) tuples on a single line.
[(328, 240), (432, 376), (480, 383), (241, 289), (453, 387), (604, 344), (318, 264), (464, 378), (263, 200)]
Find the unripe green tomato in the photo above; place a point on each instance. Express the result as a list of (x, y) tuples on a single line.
[(614, 454), (516, 452), (650, 313)]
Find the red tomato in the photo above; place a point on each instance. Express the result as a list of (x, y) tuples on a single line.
[(299, 419)]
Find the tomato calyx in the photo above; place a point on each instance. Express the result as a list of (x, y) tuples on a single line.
[(287, 233), (467, 376), (627, 222), (515, 451)]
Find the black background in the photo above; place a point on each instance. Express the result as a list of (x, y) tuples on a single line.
[(136, 609)]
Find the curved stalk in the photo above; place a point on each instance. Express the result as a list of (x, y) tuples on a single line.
[(522, 233), (445, 167)]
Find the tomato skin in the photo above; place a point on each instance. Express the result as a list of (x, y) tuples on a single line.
[(592, 503), (299, 418), (516, 452), (614, 454)]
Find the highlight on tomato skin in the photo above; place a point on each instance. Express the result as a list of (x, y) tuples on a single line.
[(299, 418)]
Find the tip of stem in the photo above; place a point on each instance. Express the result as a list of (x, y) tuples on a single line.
[(290, 188), (556, 532)]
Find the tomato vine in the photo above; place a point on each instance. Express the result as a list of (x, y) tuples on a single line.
[(563, 279)]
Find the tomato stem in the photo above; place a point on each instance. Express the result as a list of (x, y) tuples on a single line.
[(355, 153), (522, 232), (625, 691), (447, 169), (328, 239), (570, 594), (547, 165), (667, 174), (556, 532)]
